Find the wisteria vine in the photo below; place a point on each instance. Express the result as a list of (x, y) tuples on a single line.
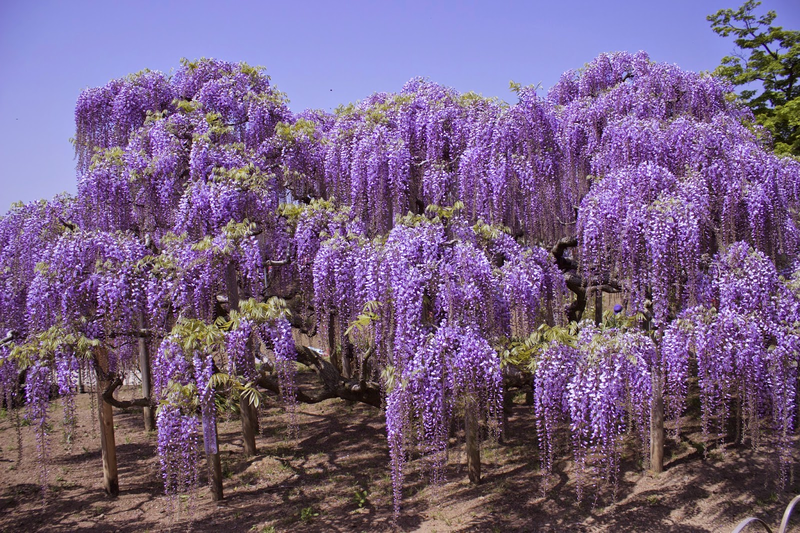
[(417, 234)]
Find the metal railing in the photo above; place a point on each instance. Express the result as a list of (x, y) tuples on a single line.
[(783, 528)]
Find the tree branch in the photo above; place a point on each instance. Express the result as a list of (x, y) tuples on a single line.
[(69, 225), (270, 382), (334, 385), (137, 333), (10, 335), (558, 250), (108, 395), (150, 245)]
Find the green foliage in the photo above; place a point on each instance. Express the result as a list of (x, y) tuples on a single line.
[(525, 352), (489, 232), (376, 113), (294, 212), (652, 499), (389, 377), (769, 55), (260, 312), (251, 395), (263, 529), (182, 395), (255, 72), (301, 130), (191, 65), (622, 321), (155, 116), (784, 124), (444, 212), (517, 88), (368, 315), (50, 341), (360, 497), (307, 514), (194, 335), (186, 106), (108, 157), (238, 231), (249, 177), (218, 127), (162, 265), (291, 211), (471, 99), (234, 232), (434, 214), (246, 391)]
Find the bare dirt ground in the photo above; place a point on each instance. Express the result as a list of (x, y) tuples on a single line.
[(334, 477)]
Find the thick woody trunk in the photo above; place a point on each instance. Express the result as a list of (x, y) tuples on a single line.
[(248, 413), (105, 415)]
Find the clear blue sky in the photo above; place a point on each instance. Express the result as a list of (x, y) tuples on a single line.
[(320, 53)]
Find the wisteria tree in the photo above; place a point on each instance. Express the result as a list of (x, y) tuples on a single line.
[(444, 247)]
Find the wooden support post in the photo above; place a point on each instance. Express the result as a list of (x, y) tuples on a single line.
[(249, 416), (347, 360), (212, 458), (232, 286), (148, 412), (472, 444), (247, 412), (657, 425), (797, 404), (738, 437), (105, 415), (598, 306), (508, 408), (332, 341)]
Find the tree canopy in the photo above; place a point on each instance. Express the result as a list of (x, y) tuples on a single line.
[(770, 57)]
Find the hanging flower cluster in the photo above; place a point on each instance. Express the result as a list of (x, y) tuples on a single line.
[(746, 347), (600, 388), (428, 301)]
